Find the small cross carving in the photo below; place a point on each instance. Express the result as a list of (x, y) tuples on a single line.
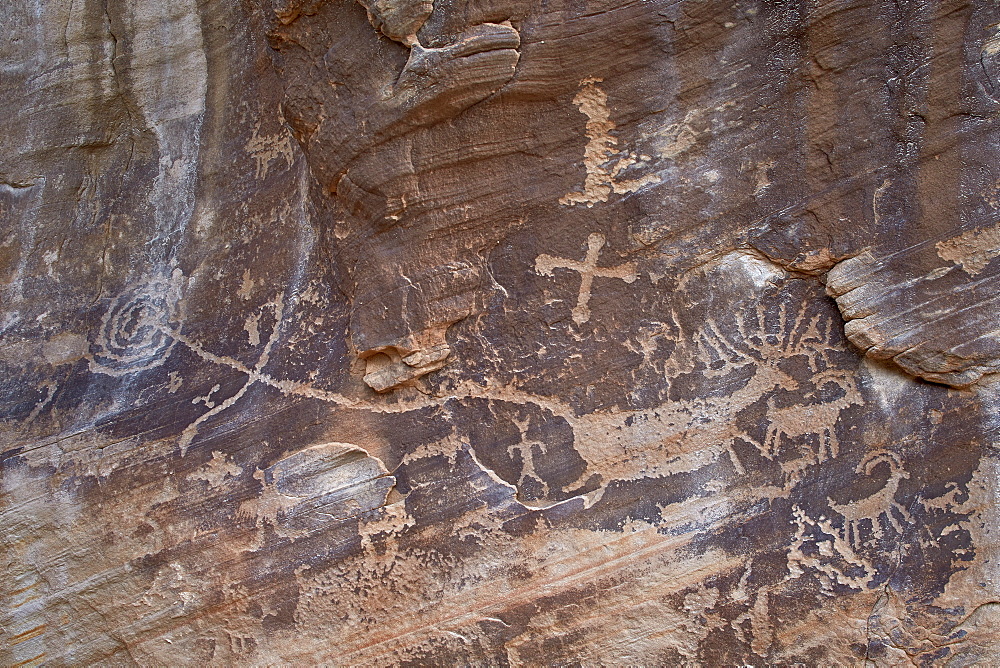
[(588, 270)]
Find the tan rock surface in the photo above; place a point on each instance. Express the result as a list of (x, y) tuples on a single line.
[(604, 332)]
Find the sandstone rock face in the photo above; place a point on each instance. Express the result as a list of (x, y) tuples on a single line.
[(390, 332)]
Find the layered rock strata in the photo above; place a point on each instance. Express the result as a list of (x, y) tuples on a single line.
[(409, 332)]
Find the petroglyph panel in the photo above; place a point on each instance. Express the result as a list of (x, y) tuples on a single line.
[(393, 332)]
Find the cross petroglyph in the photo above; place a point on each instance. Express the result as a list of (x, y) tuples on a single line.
[(588, 270)]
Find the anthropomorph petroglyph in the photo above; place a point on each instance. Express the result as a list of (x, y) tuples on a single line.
[(588, 270), (603, 162)]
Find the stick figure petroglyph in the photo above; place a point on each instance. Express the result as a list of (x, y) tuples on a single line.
[(588, 270)]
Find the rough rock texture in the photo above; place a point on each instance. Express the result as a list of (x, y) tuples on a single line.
[(500, 332)]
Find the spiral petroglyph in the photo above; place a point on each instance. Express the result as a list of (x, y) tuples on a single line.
[(137, 331)]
